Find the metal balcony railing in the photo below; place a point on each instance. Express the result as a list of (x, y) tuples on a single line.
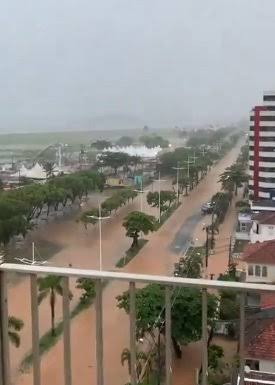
[(100, 278)]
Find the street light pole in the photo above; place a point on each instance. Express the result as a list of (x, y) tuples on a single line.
[(178, 169), (141, 192), (99, 218)]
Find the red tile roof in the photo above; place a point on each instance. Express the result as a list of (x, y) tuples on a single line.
[(262, 345), (267, 301), (266, 218), (260, 252)]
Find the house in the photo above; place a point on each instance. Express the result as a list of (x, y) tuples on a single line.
[(260, 348), (259, 261), (243, 226), (263, 227)]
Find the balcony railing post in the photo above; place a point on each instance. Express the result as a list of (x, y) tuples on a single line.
[(99, 333), (204, 338), (132, 314), (67, 331), (4, 321), (242, 336), (35, 330), (168, 359)]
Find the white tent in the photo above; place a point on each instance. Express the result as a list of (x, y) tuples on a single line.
[(22, 172), (36, 172), (141, 151)]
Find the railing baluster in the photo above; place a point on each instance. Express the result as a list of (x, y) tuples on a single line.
[(132, 314), (99, 333), (67, 332), (1, 358), (204, 338), (35, 330), (5, 328), (241, 342), (168, 359)]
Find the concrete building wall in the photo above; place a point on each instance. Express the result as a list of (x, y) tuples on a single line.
[(261, 233), (267, 366)]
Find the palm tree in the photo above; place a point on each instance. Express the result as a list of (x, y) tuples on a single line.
[(126, 357), (50, 286), (233, 177), (147, 359), (49, 169), (15, 325)]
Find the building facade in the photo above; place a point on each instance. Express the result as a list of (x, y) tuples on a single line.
[(262, 149), (259, 262)]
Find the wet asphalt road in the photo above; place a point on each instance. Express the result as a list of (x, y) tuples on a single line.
[(183, 237)]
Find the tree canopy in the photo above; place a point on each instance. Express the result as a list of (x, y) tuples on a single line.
[(18, 208), (125, 141), (166, 199), (186, 311), (151, 141), (115, 160), (101, 144), (137, 222)]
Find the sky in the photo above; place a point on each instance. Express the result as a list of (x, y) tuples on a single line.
[(73, 63)]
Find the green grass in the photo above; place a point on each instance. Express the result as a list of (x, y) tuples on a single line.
[(192, 251), (131, 253), (167, 214)]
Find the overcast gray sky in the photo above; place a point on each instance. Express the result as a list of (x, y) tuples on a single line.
[(164, 62)]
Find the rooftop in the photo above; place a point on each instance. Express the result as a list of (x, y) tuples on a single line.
[(267, 301), (260, 252), (261, 339), (267, 218), (263, 205)]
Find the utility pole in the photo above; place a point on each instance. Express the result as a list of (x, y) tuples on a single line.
[(99, 218), (230, 251), (178, 169), (188, 161), (159, 182), (206, 247)]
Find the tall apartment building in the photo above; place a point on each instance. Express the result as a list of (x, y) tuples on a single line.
[(262, 152)]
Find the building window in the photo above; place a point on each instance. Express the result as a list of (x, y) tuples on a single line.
[(250, 270), (258, 271), (253, 364), (264, 271), (243, 227)]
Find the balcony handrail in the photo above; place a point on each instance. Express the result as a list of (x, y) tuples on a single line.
[(137, 278)]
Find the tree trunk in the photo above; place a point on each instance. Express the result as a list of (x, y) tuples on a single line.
[(135, 241), (177, 348), (159, 360), (52, 302), (186, 190)]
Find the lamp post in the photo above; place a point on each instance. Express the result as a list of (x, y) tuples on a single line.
[(159, 182), (99, 218), (141, 192), (188, 161), (178, 169)]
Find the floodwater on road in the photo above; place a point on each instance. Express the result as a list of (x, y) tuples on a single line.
[(80, 248), (183, 238)]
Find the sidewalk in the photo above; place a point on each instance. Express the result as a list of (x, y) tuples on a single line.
[(217, 264)]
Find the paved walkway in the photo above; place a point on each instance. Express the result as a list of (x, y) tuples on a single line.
[(155, 258)]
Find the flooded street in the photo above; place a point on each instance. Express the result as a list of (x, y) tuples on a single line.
[(80, 248)]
